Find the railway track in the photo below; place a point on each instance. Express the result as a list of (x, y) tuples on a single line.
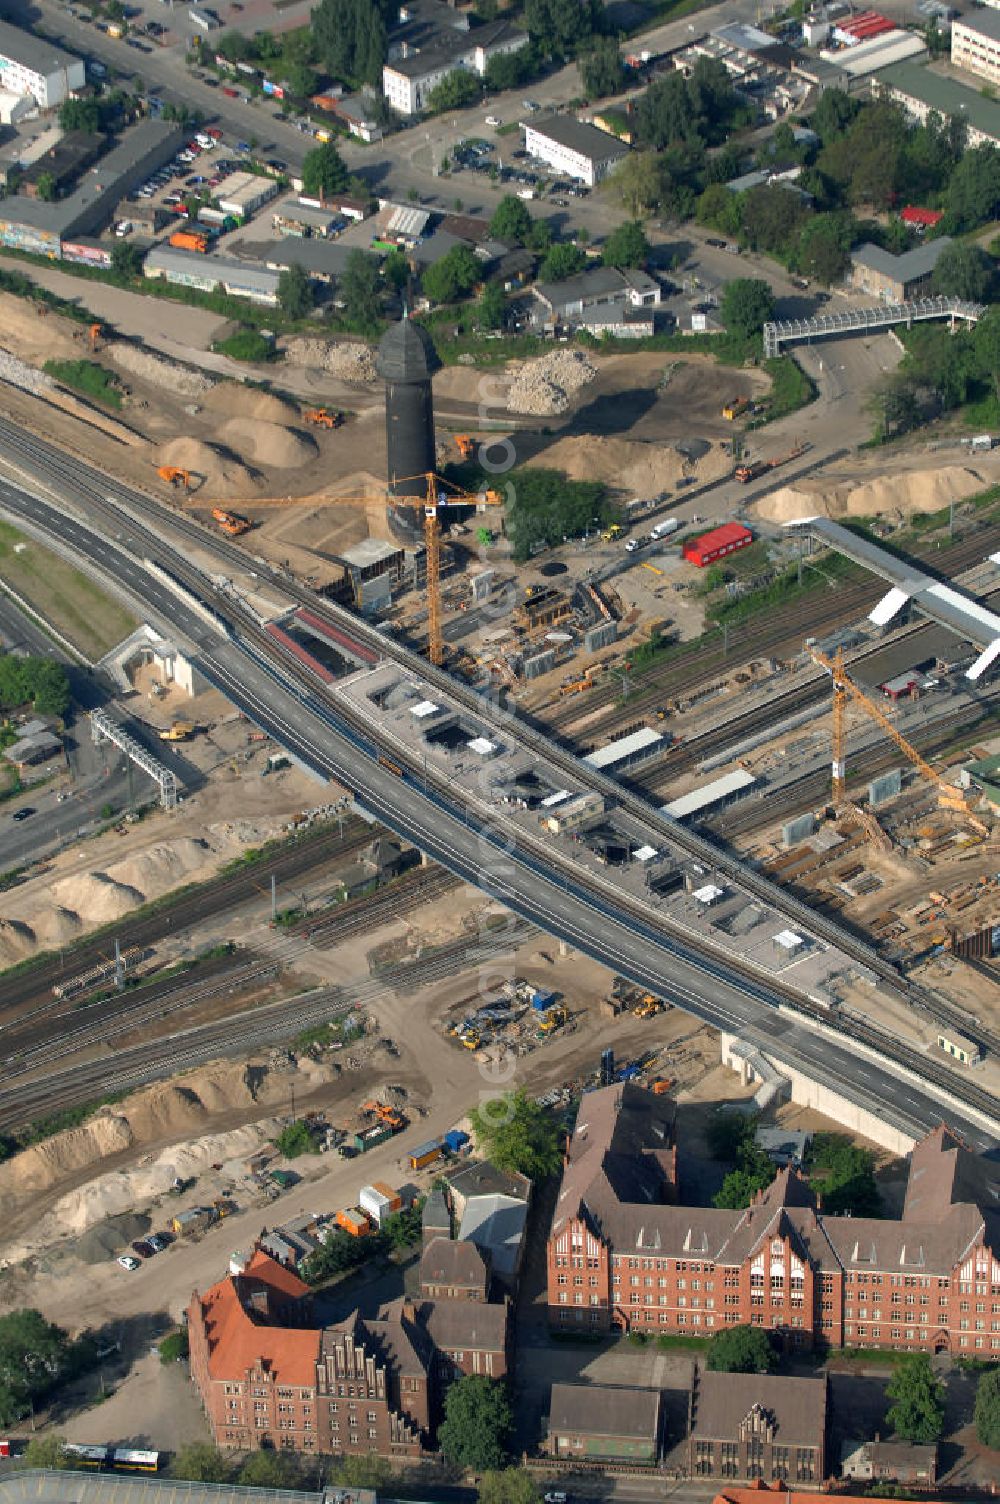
[(689, 840), (771, 635), (408, 892), (26, 993)]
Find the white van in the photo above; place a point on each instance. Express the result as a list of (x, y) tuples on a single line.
[(665, 528)]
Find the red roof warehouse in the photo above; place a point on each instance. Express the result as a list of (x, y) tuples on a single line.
[(720, 541)]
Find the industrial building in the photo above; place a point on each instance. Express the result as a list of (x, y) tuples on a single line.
[(600, 1423), (191, 269), (408, 81), (717, 544), (975, 44), (33, 225), (31, 65), (600, 289), (243, 193), (710, 795), (573, 148), (628, 751), (896, 279)]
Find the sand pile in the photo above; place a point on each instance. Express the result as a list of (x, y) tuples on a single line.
[(349, 362), (17, 940), (269, 443), (545, 386), (56, 927), (159, 868), (627, 465), (216, 467), (45, 1164), (238, 401), (168, 374), (95, 897), (900, 495)]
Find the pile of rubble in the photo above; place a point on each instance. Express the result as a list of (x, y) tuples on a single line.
[(348, 361), (546, 386), (19, 374), (181, 380)]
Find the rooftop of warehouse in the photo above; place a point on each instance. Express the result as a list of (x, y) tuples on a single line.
[(578, 135), (916, 263), (102, 178)]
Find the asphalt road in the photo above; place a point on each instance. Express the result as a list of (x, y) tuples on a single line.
[(490, 857)]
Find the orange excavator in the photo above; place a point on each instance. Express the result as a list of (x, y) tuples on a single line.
[(231, 523), (95, 335), (387, 1115), (322, 418), (465, 445), (174, 476)]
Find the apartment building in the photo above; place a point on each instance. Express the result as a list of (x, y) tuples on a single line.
[(407, 82), (619, 1257), (975, 44), (31, 65), (574, 148)]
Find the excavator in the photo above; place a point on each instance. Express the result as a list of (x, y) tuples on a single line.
[(322, 418), (387, 1115), (174, 476), (178, 732), (465, 445), (232, 523)]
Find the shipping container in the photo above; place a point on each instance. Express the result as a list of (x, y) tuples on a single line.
[(354, 1221), (425, 1154), (455, 1141), (717, 544), (376, 1205), (187, 240)]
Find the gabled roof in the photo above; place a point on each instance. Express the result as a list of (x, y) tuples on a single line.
[(447, 1261), (604, 1410), (480, 1178), (262, 1270), (401, 1338), (462, 1325), (614, 1154), (237, 1341)]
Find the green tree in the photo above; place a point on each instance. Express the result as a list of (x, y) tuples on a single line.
[(511, 220), (80, 115), (35, 1355), (741, 1185), (720, 209), (825, 244), (247, 345), (986, 345), (126, 260), (364, 1471), (509, 70), (917, 1411), (963, 271), (453, 277), (295, 292), (973, 196), (46, 1453), (741, 1349), (516, 1134), (638, 183), (562, 260), (548, 508), (174, 1347), (235, 47), (895, 404), (200, 1463), (626, 246), (351, 39), (511, 1486), (456, 91), (271, 1470), (843, 1174), (747, 305), (323, 171), (360, 291), (771, 217), (727, 1132), (295, 1139), (833, 114), (688, 111), (477, 1424), (601, 68), (988, 1409), (396, 269), (45, 186), (558, 28), (491, 309)]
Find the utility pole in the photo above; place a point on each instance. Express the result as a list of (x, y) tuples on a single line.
[(274, 898), (119, 969)]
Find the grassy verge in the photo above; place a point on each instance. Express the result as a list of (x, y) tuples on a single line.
[(791, 389), (833, 570), (88, 378), (63, 596)]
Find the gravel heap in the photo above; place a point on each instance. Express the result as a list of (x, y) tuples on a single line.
[(110, 1237), (161, 372), (350, 362), (542, 387), (18, 374)]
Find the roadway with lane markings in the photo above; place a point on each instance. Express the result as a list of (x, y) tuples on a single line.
[(274, 695)]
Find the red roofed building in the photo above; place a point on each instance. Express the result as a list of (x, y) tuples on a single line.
[(869, 24), (754, 1494), (921, 219), (268, 1378), (716, 544)]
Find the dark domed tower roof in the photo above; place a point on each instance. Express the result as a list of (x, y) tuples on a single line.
[(406, 353)]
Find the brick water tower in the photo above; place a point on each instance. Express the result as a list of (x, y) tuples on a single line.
[(406, 362)]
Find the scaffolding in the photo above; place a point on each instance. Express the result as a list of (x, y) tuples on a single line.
[(860, 320), (104, 729)]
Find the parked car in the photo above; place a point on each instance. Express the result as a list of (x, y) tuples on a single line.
[(127, 1261), (143, 1248), (24, 814), (494, 120)]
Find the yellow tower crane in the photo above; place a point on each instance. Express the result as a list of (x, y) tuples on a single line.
[(845, 690), (436, 494)]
